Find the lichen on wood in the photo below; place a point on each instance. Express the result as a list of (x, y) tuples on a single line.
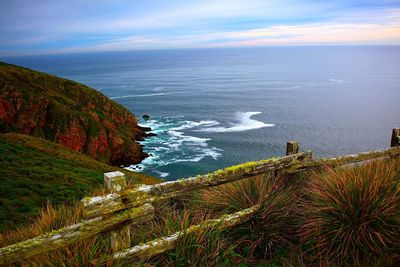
[(120, 238), (395, 141), (163, 244), (97, 206), (64, 236), (348, 159), (292, 147)]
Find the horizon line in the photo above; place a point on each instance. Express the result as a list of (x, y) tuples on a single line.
[(55, 53)]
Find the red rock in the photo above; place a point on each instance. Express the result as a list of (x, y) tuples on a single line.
[(67, 114)]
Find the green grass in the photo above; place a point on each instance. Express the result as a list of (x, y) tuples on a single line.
[(34, 171)]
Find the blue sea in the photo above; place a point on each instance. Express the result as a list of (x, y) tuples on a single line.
[(213, 108)]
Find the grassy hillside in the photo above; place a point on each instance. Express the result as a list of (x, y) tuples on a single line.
[(69, 113), (34, 171)]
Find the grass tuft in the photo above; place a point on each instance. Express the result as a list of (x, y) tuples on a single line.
[(79, 253), (351, 215), (273, 227)]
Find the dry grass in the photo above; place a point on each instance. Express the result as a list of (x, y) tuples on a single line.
[(204, 248), (240, 195), (352, 215), (338, 217), (273, 227), (50, 218)]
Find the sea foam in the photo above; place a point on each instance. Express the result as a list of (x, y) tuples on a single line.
[(339, 81), (245, 122), (173, 145), (176, 141)]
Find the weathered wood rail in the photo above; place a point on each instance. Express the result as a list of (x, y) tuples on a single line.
[(163, 244), (97, 206), (117, 211)]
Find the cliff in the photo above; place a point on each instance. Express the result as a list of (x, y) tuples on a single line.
[(69, 113)]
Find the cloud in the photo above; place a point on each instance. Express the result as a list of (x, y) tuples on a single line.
[(70, 26)]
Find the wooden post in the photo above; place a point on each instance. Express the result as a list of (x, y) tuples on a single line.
[(292, 147), (121, 238), (395, 137)]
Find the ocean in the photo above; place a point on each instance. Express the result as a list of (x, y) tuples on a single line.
[(212, 108)]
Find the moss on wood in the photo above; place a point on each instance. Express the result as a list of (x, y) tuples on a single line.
[(64, 236), (97, 206), (163, 244)]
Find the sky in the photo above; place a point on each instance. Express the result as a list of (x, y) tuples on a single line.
[(71, 26)]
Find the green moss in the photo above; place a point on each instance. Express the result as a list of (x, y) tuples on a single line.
[(248, 166)]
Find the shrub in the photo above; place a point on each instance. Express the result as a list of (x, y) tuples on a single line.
[(272, 227), (351, 215)]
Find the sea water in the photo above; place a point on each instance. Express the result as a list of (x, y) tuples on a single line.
[(213, 108)]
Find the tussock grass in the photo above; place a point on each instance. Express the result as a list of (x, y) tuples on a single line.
[(351, 215), (331, 217), (273, 227), (204, 248), (76, 254)]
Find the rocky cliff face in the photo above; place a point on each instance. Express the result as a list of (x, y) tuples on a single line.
[(69, 113)]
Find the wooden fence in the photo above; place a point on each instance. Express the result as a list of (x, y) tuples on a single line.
[(117, 211)]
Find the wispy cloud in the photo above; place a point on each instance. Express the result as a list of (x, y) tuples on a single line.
[(77, 26)]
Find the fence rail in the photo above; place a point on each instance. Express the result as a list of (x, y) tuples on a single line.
[(119, 209), (163, 244), (103, 205)]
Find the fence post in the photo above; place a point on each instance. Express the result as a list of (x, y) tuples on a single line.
[(395, 137), (292, 147), (120, 238)]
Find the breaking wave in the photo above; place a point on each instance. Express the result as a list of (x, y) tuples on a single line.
[(339, 81), (176, 141), (173, 145), (244, 122)]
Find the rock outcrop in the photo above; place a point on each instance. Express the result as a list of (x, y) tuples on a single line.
[(68, 113)]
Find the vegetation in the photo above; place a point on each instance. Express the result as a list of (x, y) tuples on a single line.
[(271, 229), (352, 216), (50, 218), (346, 216), (68, 113), (34, 171), (333, 217)]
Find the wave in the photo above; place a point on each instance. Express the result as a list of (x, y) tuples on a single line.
[(194, 124), (175, 141), (339, 81), (245, 123), (158, 88), (162, 174), (173, 145), (144, 95)]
